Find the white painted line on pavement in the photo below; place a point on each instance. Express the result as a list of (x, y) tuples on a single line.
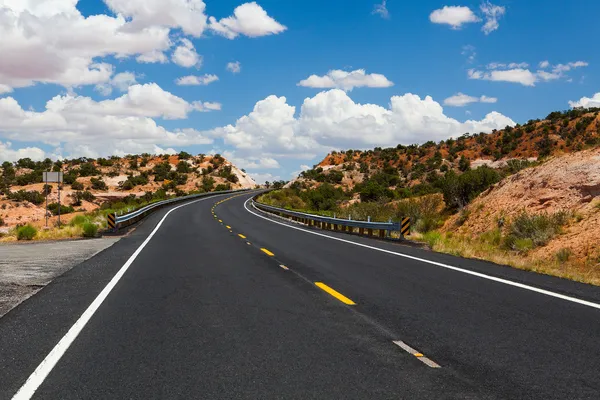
[(417, 354), (41, 372), (450, 267)]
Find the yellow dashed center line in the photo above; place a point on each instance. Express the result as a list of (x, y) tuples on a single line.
[(284, 267), (242, 236), (267, 252), (221, 221), (227, 226), (335, 294)]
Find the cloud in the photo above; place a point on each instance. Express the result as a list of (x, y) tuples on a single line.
[(265, 177), (124, 124), (185, 55), (250, 20), (332, 120), (5, 89), (185, 14), (381, 10), (152, 57), (496, 65), (192, 80), (8, 154), (586, 102), (303, 168), (234, 67), (54, 43), (492, 14), (346, 80), (121, 81), (518, 72), (461, 100), (518, 75), (455, 16), (251, 163)]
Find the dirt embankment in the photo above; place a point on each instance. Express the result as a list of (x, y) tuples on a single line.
[(565, 183)]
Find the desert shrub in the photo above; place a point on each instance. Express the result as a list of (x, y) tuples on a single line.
[(323, 198), (26, 232), (54, 207), (424, 212), (89, 230), (538, 229), (460, 190), (514, 166), (184, 167), (98, 184), (493, 237), (563, 255), (77, 185), (463, 217), (88, 169), (222, 187), (1, 221), (79, 220), (33, 196), (432, 238)]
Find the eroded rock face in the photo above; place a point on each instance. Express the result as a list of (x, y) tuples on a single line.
[(565, 183)]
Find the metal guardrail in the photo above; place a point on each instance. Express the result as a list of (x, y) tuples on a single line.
[(120, 221), (368, 228)]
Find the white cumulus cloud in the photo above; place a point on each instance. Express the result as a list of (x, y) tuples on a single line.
[(193, 80), (346, 80), (7, 153), (121, 81), (586, 102), (84, 126), (250, 20), (332, 120), (455, 16), (462, 100), (185, 55)]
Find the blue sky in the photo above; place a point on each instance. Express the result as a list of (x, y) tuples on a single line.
[(458, 53)]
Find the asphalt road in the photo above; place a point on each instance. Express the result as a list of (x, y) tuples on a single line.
[(232, 310)]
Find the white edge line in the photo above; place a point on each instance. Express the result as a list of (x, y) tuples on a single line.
[(41, 372), (457, 269)]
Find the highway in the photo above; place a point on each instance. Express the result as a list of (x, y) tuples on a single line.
[(216, 300)]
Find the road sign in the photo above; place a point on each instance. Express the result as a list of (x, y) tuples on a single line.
[(56, 177), (112, 221)]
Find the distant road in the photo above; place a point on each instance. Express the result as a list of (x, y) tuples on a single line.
[(240, 305)]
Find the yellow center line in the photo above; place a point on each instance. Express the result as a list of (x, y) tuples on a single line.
[(267, 252), (284, 267), (221, 221), (242, 236), (248, 243), (227, 226), (335, 294)]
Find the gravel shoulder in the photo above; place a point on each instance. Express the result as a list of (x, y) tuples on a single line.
[(25, 268)]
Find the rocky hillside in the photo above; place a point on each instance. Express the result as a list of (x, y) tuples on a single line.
[(93, 183), (559, 133), (568, 183)]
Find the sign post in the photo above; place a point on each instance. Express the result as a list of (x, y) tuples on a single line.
[(55, 177)]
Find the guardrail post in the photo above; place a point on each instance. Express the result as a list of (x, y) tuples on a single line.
[(361, 231), (370, 231)]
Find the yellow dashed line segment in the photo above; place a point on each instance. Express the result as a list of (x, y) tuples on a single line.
[(267, 252), (242, 236), (335, 294)]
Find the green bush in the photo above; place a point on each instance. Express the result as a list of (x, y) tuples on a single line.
[(432, 238), (54, 207), (77, 185), (26, 232), (33, 196), (90, 230), (538, 229), (98, 184), (79, 220)]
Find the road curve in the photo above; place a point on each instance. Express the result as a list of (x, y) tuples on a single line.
[(222, 301)]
